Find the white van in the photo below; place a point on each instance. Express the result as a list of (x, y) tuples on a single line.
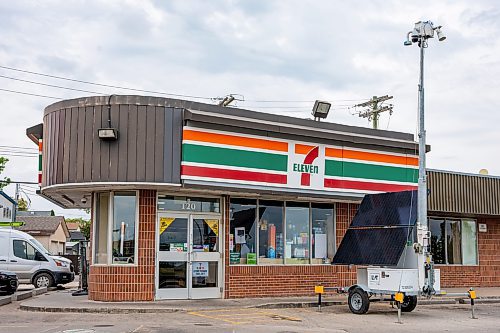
[(24, 255)]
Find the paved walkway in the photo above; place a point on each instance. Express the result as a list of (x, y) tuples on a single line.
[(63, 301)]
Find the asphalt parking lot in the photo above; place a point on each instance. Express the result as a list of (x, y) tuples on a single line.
[(380, 318)]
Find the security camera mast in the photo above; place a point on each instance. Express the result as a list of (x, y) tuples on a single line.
[(420, 35)]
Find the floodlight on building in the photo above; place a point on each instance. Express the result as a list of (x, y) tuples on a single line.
[(321, 109), (108, 134)]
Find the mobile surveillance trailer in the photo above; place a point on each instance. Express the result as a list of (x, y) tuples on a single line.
[(383, 240)]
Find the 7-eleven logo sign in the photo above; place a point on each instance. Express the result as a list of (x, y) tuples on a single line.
[(305, 165)]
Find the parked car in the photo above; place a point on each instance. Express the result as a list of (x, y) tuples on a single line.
[(24, 255), (8, 282)]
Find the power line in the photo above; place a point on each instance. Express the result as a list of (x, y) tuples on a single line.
[(17, 155), (52, 85), (103, 84), (29, 94), (140, 90), (18, 147), (14, 182)]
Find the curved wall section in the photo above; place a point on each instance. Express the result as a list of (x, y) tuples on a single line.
[(147, 148)]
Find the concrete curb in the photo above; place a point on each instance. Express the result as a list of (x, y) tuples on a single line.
[(5, 300), (22, 295), (99, 310), (111, 310)]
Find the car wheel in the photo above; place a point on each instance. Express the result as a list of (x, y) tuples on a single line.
[(409, 304), (43, 280), (358, 301)]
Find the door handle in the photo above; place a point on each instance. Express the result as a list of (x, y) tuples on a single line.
[(3, 260), (13, 261)]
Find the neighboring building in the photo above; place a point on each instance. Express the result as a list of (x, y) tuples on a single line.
[(35, 213), (51, 231), (73, 241), (191, 200), (7, 208), (464, 220)]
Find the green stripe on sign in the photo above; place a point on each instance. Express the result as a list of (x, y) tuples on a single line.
[(370, 171), (233, 157), (333, 168)]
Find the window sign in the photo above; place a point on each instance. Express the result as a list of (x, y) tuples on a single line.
[(188, 204), (200, 269)]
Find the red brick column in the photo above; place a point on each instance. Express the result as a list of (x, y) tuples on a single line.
[(130, 283), (345, 213)]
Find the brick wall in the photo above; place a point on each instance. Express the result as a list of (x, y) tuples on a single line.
[(287, 280), (487, 274), (130, 283)]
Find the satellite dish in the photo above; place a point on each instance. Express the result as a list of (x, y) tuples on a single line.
[(483, 172)]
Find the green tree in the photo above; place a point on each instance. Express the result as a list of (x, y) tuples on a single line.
[(84, 225), (22, 205), (6, 180)]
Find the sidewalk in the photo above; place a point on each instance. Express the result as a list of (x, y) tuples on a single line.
[(63, 301)]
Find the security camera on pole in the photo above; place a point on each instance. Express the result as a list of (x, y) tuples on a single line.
[(420, 35)]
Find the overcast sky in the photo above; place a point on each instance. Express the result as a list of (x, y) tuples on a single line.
[(341, 51)]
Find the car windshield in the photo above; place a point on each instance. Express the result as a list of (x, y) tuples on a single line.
[(40, 246)]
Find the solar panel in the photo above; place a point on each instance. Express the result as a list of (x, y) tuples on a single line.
[(380, 247), (379, 231), (387, 209)]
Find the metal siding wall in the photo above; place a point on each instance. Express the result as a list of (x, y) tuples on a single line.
[(146, 151), (123, 144), (132, 143), (463, 194), (159, 142)]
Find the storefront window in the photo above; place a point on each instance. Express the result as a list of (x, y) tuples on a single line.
[(437, 228), (242, 236), (453, 241), (323, 234), (115, 224), (124, 222), (101, 228), (469, 242), (297, 233), (271, 232)]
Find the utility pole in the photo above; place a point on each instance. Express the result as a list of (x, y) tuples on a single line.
[(17, 192), (374, 109)]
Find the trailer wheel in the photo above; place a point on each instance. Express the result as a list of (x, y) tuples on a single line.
[(358, 301), (409, 304)]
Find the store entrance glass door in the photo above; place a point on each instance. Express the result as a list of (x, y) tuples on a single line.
[(189, 256)]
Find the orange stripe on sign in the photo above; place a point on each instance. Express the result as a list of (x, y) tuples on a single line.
[(303, 149), (333, 152), (234, 140), (375, 157)]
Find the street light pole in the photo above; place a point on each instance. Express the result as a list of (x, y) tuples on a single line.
[(420, 34)]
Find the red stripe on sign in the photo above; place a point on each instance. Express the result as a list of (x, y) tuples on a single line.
[(368, 186), (262, 177)]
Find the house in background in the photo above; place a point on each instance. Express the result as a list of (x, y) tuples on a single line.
[(35, 213), (75, 236), (7, 208), (51, 231)]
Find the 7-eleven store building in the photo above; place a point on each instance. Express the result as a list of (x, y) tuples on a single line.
[(192, 200)]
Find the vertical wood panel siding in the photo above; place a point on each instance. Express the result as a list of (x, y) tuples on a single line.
[(463, 193), (146, 150)]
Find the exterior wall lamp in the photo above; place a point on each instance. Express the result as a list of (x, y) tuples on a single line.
[(109, 133)]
